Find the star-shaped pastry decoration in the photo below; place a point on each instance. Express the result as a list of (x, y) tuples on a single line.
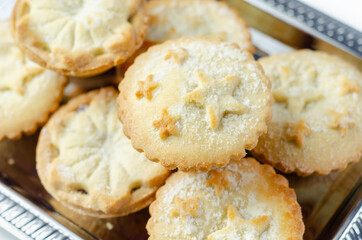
[(186, 207), (178, 55), (349, 86), (22, 76), (216, 97), (219, 180), (238, 228), (297, 132), (297, 99), (341, 121), (166, 124), (146, 87), (296, 103)]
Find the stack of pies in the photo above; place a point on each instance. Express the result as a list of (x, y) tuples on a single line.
[(191, 99)]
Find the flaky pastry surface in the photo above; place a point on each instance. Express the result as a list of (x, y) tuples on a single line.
[(317, 114), (173, 19), (244, 200), (194, 103), (79, 38), (28, 92), (85, 161)]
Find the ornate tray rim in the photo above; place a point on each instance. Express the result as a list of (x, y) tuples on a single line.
[(314, 22)]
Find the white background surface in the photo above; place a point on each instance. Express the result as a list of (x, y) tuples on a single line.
[(4, 235), (346, 11), (5, 8)]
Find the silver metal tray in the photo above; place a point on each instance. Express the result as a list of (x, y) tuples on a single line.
[(331, 204)]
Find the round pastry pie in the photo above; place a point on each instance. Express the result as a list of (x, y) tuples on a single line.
[(317, 115), (28, 92), (244, 200), (173, 19), (85, 162), (79, 38), (194, 103)]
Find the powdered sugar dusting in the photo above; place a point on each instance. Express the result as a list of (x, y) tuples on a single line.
[(217, 93), (245, 195), (324, 91)]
